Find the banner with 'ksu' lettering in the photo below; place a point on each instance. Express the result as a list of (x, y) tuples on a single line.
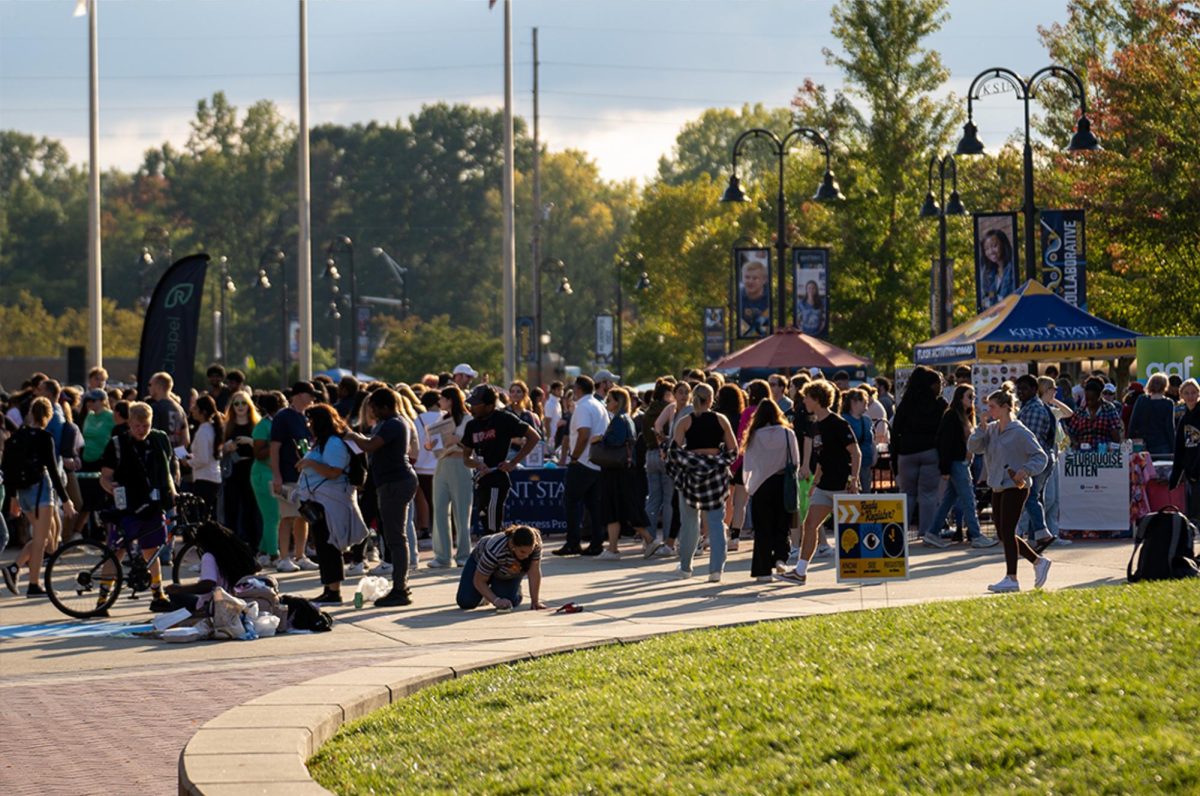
[(172, 325), (1064, 255)]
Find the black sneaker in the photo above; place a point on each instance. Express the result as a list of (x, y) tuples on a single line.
[(328, 598), (35, 590), (593, 550), (568, 550), (10, 573), (160, 605), (393, 598)]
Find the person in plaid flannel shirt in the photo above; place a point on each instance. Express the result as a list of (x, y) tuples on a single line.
[(1096, 421)]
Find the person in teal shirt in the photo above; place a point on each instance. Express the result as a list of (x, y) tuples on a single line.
[(260, 478), (97, 427)]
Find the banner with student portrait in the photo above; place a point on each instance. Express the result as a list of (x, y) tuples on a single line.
[(604, 339), (997, 266), (1064, 255), (810, 278), (714, 333), (752, 293)]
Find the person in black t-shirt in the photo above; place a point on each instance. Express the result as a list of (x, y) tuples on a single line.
[(835, 458), (485, 444)]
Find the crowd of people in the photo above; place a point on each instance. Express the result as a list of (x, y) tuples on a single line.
[(355, 475)]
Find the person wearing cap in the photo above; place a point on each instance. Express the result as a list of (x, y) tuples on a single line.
[(604, 380), (463, 375), (290, 438), (485, 450), (1096, 420)]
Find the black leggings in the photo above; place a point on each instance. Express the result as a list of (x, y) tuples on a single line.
[(329, 558), (772, 524), (1007, 505)]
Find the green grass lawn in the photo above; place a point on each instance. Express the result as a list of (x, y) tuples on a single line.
[(1083, 691)]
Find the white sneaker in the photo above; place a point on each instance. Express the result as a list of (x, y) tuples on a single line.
[(984, 541), (732, 546), (384, 568), (1063, 541), (1009, 584), (780, 568), (823, 551), (609, 555), (1040, 570), (286, 565), (665, 552), (714, 577), (355, 569), (764, 579), (263, 560), (308, 565), (933, 540), (650, 549), (681, 573)]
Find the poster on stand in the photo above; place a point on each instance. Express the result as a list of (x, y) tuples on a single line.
[(871, 537), (986, 379), (1064, 255), (900, 383), (752, 293), (810, 272), (1093, 490), (997, 267)]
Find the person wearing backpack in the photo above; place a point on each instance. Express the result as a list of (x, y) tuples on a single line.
[(1185, 468), (31, 471)]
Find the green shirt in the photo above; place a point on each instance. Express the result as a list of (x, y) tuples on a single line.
[(97, 428), (262, 432)]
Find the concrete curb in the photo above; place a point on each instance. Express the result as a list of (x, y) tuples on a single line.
[(262, 747)]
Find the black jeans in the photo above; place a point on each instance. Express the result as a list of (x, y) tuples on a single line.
[(395, 501), (771, 527), (487, 508), (1007, 506), (241, 509), (582, 490), (329, 558), (206, 491)]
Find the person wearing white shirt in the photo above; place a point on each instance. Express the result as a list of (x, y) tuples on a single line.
[(589, 419), (426, 461), (552, 410), (770, 446), (205, 452)]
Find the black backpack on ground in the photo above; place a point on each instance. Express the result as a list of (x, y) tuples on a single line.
[(21, 467), (1163, 545), (303, 615)]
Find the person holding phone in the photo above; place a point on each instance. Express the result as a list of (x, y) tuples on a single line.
[(237, 454)]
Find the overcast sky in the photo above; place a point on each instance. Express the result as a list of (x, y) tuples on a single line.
[(618, 77)]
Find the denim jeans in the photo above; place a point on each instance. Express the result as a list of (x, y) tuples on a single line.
[(921, 480), (960, 494), (689, 536), (1033, 518), (469, 597), (3, 523), (659, 488), (396, 523)]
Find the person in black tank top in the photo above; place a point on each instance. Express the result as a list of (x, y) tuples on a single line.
[(705, 431)]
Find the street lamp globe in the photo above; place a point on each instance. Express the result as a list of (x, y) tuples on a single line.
[(1084, 140), (930, 208), (969, 144), (954, 207), (829, 190), (733, 193)]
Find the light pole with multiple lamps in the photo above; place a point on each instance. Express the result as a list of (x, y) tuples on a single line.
[(399, 272), (635, 261), (1083, 140), (343, 245), (932, 209), (827, 192), (564, 288), (272, 257), (227, 287), (334, 313)]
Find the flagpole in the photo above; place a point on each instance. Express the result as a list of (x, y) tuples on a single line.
[(304, 243), (95, 323), (510, 245)]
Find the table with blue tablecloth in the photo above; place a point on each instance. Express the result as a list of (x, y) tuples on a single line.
[(537, 499)]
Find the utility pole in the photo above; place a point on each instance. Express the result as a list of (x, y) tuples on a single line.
[(509, 323), (304, 245), (536, 243), (94, 289)]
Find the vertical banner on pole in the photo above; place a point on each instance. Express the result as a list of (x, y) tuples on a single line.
[(752, 293), (997, 265), (714, 333), (1064, 255), (605, 339), (293, 341), (172, 325), (525, 352), (810, 277), (362, 333)]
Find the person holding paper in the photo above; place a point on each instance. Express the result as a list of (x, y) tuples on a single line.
[(451, 481)]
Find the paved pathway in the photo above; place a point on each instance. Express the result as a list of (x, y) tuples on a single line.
[(102, 714)]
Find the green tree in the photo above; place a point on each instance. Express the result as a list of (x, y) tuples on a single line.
[(705, 146), (414, 347)]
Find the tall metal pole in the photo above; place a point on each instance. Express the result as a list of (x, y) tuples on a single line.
[(224, 281), (943, 321), (283, 312), (353, 307), (620, 322), (304, 242), (509, 324), (1031, 269), (536, 244), (95, 320), (781, 244)]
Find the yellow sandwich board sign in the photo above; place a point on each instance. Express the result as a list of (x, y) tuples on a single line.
[(872, 537)]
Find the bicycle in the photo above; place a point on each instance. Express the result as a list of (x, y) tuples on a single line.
[(84, 577)]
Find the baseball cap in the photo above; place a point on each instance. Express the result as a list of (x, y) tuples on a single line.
[(605, 375), (464, 369), (484, 394), (1110, 388), (303, 387), (95, 395)]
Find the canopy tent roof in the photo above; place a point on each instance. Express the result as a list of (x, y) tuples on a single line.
[(1032, 324), (790, 348)]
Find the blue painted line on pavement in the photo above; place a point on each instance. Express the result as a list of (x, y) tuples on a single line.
[(71, 629)]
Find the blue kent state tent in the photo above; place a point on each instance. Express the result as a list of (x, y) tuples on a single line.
[(1032, 324)]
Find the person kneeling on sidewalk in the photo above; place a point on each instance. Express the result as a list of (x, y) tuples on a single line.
[(496, 567)]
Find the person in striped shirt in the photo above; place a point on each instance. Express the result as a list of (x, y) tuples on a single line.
[(497, 566)]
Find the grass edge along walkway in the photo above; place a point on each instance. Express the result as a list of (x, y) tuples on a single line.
[(1083, 691)]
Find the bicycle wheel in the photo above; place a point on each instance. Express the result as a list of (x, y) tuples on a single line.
[(185, 568), (83, 579)]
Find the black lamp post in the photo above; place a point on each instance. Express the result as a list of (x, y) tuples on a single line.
[(343, 245), (398, 272), (1082, 141), (637, 261), (827, 192), (931, 209), (334, 278), (564, 288), (270, 257), (227, 287)]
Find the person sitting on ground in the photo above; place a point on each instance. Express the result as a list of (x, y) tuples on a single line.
[(496, 567), (224, 560)]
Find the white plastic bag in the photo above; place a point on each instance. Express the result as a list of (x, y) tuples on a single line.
[(266, 625), (373, 587)]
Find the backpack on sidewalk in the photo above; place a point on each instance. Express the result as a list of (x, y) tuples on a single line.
[(263, 590), (21, 467), (1163, 545), (304, 615)]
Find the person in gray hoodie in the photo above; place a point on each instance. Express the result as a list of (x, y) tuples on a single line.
[(1012, 457)]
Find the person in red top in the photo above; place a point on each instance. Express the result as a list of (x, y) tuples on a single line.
[(1096, 421)]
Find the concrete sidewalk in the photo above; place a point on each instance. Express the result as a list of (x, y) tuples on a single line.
[(98, 713)]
